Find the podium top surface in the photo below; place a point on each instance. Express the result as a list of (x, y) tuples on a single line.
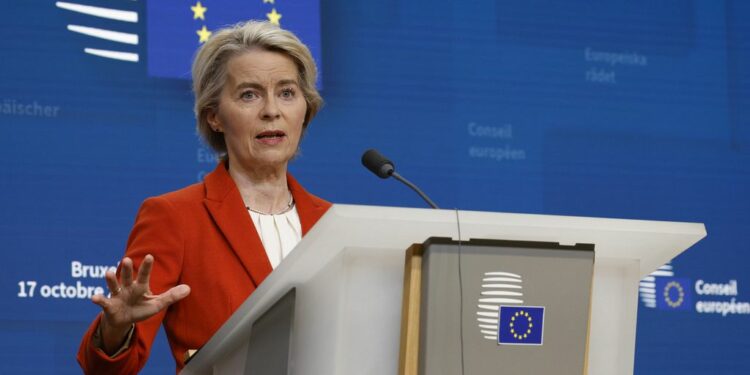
[(652, 243)]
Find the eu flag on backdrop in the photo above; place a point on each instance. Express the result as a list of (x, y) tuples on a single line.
[(521, 325), (175, 27), (673, 293)]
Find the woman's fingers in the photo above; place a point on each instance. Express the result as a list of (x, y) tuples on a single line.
[(144, 271), (114, 287), (131, 302), (126, 273), (171, 296), (100, 300)]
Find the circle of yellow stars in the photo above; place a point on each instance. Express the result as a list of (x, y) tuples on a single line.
[(680, 296), (520, 314), (199, 13)]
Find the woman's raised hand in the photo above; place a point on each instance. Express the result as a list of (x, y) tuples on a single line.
[(131, 301)]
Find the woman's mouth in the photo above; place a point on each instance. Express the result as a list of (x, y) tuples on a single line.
[(271, 137)]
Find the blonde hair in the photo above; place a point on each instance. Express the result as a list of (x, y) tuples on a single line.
[(210, 70)]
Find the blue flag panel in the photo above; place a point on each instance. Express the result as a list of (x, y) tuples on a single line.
[(175, 29), (521, 325)]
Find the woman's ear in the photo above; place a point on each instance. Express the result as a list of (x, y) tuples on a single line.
[(213, 120)]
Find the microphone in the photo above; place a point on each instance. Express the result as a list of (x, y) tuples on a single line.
[(378, 164), (384, 168)]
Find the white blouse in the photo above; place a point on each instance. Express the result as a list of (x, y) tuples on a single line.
[(278, 233)]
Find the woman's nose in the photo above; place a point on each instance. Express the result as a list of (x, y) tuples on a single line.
[(270, 108)]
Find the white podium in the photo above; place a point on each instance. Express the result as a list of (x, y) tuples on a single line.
[(348, 274)]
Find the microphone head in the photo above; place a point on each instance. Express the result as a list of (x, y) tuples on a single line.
[(377, 163)]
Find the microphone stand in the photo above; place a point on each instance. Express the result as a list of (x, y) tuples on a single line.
[(415, 188)]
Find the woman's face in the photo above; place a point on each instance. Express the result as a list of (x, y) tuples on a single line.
[(261, 109)]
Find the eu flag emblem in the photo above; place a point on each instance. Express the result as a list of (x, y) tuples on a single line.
[(176, 28), (521, 325), (673, 293)]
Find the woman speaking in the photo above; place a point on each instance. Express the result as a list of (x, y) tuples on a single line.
[(194, 255)]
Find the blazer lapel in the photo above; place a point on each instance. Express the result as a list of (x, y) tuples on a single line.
[(308, 209), (228, 211)]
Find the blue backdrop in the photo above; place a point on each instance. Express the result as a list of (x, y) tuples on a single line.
[(629, 109)]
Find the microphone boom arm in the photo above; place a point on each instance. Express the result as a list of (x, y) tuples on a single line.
[(415, 188)]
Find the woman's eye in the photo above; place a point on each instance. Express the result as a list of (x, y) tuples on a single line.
[(247, 95), (287, 93)]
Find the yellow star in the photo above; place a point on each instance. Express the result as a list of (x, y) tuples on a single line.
[(274, 17), (203, 34), (267, 1), (199, 11)]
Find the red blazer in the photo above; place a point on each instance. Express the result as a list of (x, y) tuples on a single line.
[(201, 236)]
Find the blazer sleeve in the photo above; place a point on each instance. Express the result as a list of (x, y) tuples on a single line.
[(157, 231)]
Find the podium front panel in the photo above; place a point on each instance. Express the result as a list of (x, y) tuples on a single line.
[(510, 307)]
